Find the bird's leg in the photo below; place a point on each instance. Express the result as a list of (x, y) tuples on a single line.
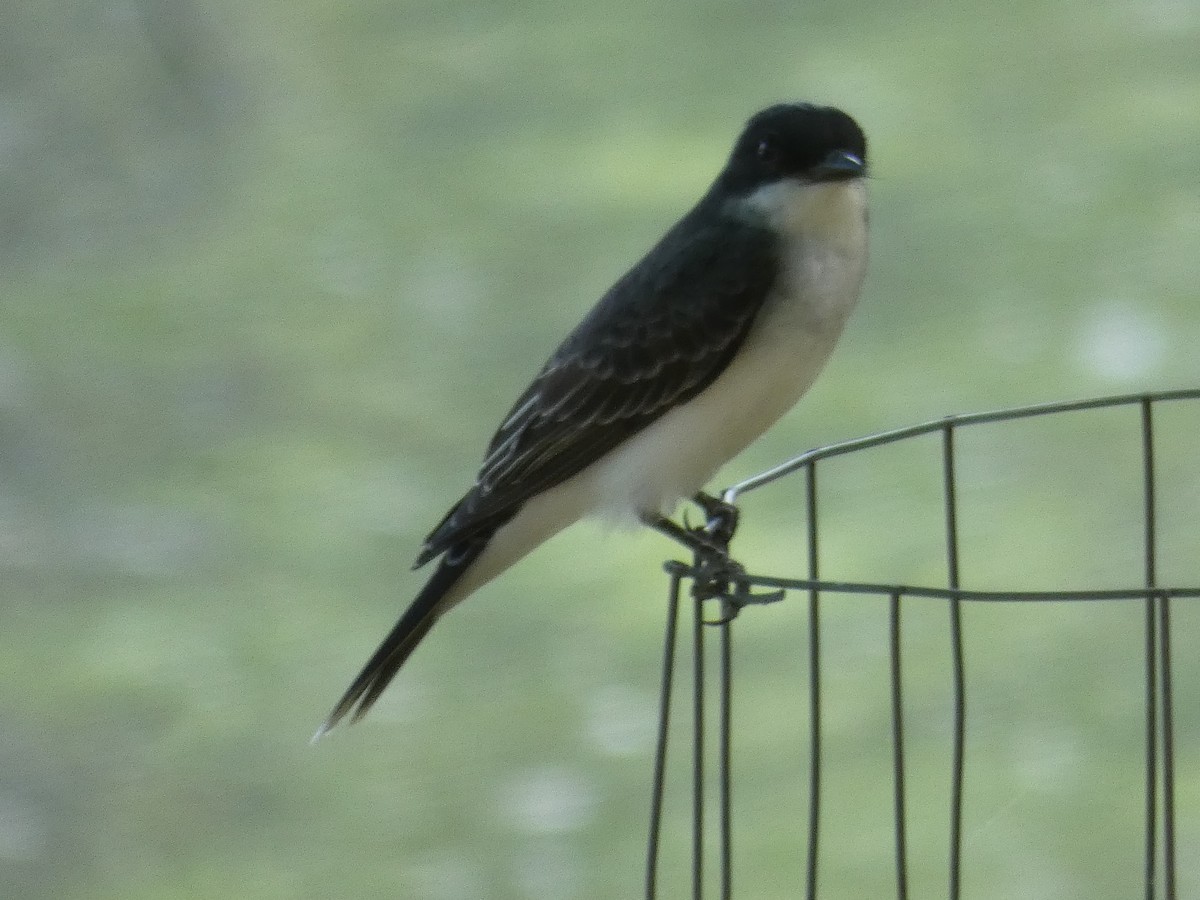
[(716, 575), (698, 540), (722, 517), (721, 577)]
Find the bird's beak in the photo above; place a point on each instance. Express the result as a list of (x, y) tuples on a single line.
[(840, 165)]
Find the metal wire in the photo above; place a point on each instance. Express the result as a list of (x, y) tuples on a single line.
[(1159, 825), (814, 690), (726, 737), (898, 749), (1151, 651), (732, 494), (956, 648), (1167, 748), (698, 752), (664, 720)]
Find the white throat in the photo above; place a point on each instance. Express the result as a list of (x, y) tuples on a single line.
[(823, 229)]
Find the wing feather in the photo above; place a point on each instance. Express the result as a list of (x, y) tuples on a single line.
[(662, 334)]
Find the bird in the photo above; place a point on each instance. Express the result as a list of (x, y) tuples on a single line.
[(689, 357)]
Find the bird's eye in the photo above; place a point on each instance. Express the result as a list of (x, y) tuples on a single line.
[(767, 150)]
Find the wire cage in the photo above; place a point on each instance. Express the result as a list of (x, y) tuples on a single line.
[(723, 594)]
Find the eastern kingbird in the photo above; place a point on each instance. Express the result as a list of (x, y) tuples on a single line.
[(690, 356)]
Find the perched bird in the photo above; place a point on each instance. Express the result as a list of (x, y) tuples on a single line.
[(689, 357)]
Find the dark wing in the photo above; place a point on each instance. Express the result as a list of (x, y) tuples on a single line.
[(660, 336)]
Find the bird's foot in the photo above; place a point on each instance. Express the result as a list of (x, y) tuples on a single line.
[(721, 517), (715, 574), (724, 579)]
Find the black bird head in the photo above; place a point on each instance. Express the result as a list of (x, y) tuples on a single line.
[(797, 141)]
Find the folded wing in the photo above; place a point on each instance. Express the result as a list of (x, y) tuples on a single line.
[(660, 336)]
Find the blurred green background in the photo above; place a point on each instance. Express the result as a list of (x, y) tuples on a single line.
[(272, 271)]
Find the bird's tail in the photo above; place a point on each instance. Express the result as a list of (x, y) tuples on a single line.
[(404, 637)]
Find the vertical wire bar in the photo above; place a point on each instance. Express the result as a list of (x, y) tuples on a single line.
[(1151, 748), (1168, 746), (726, 762), (1164, 637), (1167, 738), (1153, 638), (956, 638), (698, 750), (814, 691), (898, 751), (660, 752)]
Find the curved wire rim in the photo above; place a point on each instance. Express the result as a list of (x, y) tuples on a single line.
[(732, 493)]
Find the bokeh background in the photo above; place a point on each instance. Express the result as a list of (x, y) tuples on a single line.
[(272, 271)]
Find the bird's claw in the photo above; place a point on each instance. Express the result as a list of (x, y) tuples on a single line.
[(715, 574), (724, 579), (721, 517), (732, 604)]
